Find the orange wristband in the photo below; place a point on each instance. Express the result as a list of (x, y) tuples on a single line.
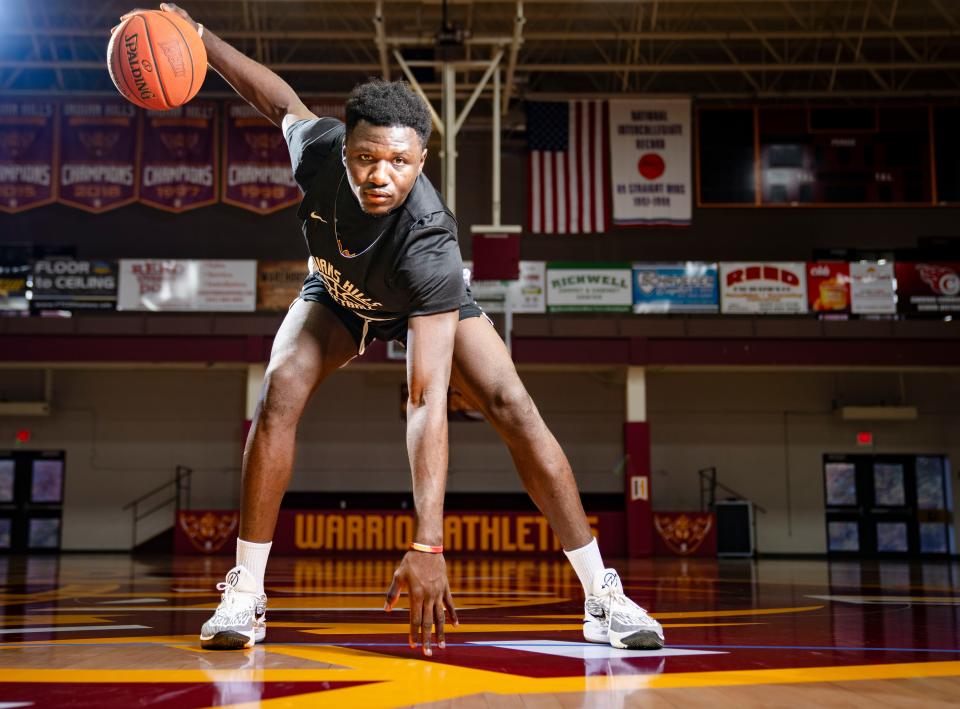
[(426, 548)]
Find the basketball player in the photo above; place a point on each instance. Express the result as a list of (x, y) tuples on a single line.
[(386, 265)]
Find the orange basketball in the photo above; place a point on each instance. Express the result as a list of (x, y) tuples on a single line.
[(156, 60)]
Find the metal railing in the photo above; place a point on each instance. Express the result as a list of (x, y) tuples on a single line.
[(178, 494), (708, 491)]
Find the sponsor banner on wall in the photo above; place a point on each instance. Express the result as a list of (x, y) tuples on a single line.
[(589, 286), (928, 288), (768, 287), (279, 283), (872, 288), (99, 147), (257, 173), (528, 294), (65, 283), (13, 287), (684, 534), (828, 287), (650, 161), (351, 531), (178, 169), (675, 288), (28, 154), (204, 286)]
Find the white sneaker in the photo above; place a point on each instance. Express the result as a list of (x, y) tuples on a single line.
[(610, 617), (240, 620)]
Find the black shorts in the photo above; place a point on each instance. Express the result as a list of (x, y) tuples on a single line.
[(314, 291)]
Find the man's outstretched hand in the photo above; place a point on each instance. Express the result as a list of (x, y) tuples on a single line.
[(424, 576)]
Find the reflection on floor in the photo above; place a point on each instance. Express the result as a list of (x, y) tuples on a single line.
[(112, 631)]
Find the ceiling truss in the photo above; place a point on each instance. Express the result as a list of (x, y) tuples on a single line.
[(717, 49)]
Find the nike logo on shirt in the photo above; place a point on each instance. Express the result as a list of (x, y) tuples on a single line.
[(314, 215)]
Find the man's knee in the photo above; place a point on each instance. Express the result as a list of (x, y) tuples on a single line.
[(511, 407), (287, 385)]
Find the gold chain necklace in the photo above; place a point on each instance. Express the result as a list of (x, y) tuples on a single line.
[(336, 234)]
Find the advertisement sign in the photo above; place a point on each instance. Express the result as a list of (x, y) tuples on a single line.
[(13, 287), (178, 168), (928, 288), (650, 161), (528, 294), (589, 286), (279, 283), (99, 148), (351, 531), (771, 287), (872, 288), (64, 283), (828, 287), (28, 154), (257, 173), (202, 286), (675, 288)]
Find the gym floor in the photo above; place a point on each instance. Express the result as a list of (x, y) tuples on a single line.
[(114, 631)]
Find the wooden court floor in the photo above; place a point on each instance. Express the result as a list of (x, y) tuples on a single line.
[(113, 631)]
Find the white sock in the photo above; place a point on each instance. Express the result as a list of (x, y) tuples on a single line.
[(253, 557), (586, 561)]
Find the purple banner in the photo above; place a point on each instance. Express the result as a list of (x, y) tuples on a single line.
[(178, 169), (28, 154), (257, 174), (98, 139)]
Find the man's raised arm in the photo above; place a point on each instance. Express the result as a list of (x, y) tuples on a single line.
[(255, 83)]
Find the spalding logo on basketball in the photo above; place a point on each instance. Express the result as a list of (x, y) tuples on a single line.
[(156, 60), (651, 166)]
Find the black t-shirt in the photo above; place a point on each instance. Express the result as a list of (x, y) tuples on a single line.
[(406, 263)]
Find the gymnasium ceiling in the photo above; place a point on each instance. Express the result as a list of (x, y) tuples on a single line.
[(721, 49)]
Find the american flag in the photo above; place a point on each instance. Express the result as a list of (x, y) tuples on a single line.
[(569, 174)]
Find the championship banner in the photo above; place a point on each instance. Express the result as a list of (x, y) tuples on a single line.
[(13, 287), (675, 288), (650, 162), (589, 287), (351, 531), (928, 288), (684, 534), (279, 283), (528, 294), (193, 286), (178, 168), (828, 287), (99, 148), (872, 288), (774, 287), (256, 173), (28, 154), (64, 283)]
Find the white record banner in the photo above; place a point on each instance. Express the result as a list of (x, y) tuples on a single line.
[(187, 285), (650, 162)]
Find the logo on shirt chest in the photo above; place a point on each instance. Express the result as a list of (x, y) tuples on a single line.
[(343, 291)]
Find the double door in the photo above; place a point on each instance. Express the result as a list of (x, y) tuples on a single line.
[(888, 505), (31, 500)]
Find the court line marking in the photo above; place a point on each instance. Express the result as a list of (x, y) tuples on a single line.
[(592, 651), (505, 643), (882, 600), (70, 629)]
